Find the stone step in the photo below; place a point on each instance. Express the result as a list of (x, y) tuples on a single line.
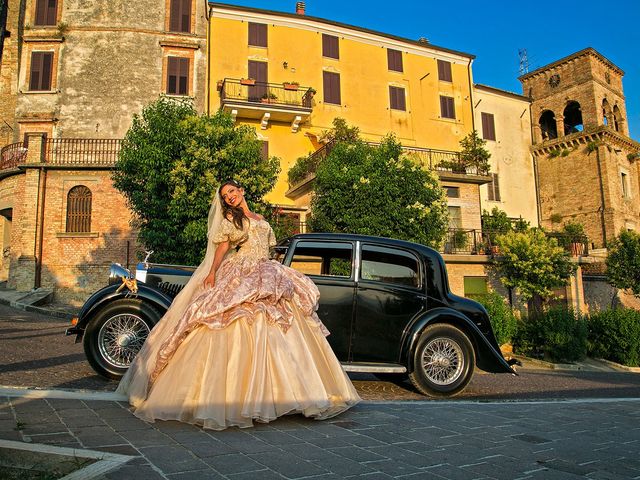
[(39, 296)]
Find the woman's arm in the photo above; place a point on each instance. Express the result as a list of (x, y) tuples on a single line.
[(221, 251)]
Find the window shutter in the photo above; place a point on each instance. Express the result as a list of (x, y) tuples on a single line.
[(488, 126), (79, 209), (394, 60), (330, 46), (52, 12), (331, 87), (41, 12), (264, 154), (397, 98), (257, 34), (183, 75), (47, 61), (444, 71), (447, 108), (40, 76), (174, 16), (172, 75), (46, 12), (186, 16), (496, 187)]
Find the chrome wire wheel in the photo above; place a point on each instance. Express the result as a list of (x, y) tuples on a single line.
[(443, 361), (120, 339)]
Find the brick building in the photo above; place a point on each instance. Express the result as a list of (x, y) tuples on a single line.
[(71, 78), (586, 163)]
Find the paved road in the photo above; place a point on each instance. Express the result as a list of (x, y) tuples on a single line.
[(35, 353)]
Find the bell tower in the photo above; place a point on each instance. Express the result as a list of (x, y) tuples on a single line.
[(588, 168)]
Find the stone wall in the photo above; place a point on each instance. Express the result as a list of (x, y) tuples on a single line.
[(9, 76)]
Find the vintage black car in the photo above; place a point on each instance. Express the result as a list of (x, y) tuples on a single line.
[(386, 302)]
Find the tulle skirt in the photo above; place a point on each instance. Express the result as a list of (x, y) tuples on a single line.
[(249, 367)]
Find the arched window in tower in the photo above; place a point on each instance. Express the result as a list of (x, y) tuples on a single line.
[(606, 109), (79, 209), (548, 125), (617, 118), (572, 118)]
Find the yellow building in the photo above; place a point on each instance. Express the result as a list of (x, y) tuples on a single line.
[(378, 82)]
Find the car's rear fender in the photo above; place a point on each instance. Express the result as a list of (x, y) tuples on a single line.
[(110, 293), (487, 357)]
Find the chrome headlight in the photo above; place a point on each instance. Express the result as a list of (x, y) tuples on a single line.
[(116, 272)]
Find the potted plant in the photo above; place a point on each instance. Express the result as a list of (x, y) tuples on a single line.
[(248, 81), (312, 91), (574, 237), (219, 84), (291, 85), (269, 98)]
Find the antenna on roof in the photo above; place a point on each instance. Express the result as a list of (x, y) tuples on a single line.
[(524, 61)]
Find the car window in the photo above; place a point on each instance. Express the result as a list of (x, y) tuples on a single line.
[(389, 265), (323, 258)]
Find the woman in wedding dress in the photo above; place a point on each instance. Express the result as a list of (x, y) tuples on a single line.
[(242, 340)]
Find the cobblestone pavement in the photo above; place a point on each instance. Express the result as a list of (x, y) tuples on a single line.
[(409, 440)]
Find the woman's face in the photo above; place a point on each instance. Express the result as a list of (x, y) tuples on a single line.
[(232, 195)]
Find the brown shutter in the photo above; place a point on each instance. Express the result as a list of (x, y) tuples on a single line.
[(36, 70), (46, 12), (394, 60), (488, 126), (47, 63), (331, 87), (257, 34), (444, 71), (447, 108), (183, 76), (174, 16), (330, 46), (52, 12), (264, 153), (397, 98), (172, 75), (185, 16), (496, 187), (490, 195), (79, 209)]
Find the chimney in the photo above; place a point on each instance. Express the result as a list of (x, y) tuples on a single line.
[(300, 8)]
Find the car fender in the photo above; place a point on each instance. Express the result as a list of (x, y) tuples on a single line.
[(487, 357), (113, 292)]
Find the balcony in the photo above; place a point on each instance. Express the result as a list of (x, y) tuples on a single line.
[(266, 101)]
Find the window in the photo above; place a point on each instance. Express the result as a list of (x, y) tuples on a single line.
[(475, 287), (330, 46), (79, 209), (494, 188), (258, 34), (488, 126), (323, 258), (394, 58), (331, 86), (388, 265), (180, 16), (624, 181), (455, 217), (397, 98), (264, 152), (452, 192), (447, 107), (46, 13), (177, 76), (444, 71), (41, 66)]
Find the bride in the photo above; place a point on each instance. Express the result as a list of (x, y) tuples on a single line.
[(242, 341)]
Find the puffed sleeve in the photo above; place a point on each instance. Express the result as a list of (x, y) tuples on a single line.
[(229, 233)]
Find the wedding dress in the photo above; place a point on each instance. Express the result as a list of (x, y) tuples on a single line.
[(250, 348)]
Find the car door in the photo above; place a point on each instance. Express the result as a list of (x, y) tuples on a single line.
[(389, 294), (330, 265)]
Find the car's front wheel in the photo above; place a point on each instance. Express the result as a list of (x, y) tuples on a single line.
[(443, 361), (116, 334)]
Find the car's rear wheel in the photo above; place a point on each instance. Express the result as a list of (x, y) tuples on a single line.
[(443, 361), (116, 334)]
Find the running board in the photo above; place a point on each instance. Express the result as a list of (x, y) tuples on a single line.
[(374, 367)]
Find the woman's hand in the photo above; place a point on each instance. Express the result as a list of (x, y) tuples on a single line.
[(210, 280)]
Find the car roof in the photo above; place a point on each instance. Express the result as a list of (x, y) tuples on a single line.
[(365, 238)]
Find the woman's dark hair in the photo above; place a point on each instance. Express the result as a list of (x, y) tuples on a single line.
[(236, 213)]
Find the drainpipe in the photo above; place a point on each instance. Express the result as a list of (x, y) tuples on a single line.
[(42, 193), (602, 207), (473, 118), (207, 63), (536, 180)]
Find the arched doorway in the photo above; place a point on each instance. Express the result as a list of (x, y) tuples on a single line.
[(548, 126)]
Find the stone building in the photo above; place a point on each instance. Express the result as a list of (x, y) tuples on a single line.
[(72, 76), (587, 166)]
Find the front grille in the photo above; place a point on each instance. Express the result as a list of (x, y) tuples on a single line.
[(171, 289)]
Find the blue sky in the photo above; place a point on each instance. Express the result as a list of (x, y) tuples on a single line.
[(495, 30)]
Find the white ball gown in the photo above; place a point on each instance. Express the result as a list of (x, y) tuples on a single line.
[(250, 348)]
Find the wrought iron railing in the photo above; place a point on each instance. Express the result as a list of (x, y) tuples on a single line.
[(82, 151), (266, 93), (12, 155), (432, 159), (464, 241), (576, 245)]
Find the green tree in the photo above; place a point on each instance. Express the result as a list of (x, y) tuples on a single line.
[(377, 190), (532, 263), (474, 153), (171, 162), (623, 262)]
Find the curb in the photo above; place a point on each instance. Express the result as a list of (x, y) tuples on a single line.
[(35, 309), (575, 366)]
